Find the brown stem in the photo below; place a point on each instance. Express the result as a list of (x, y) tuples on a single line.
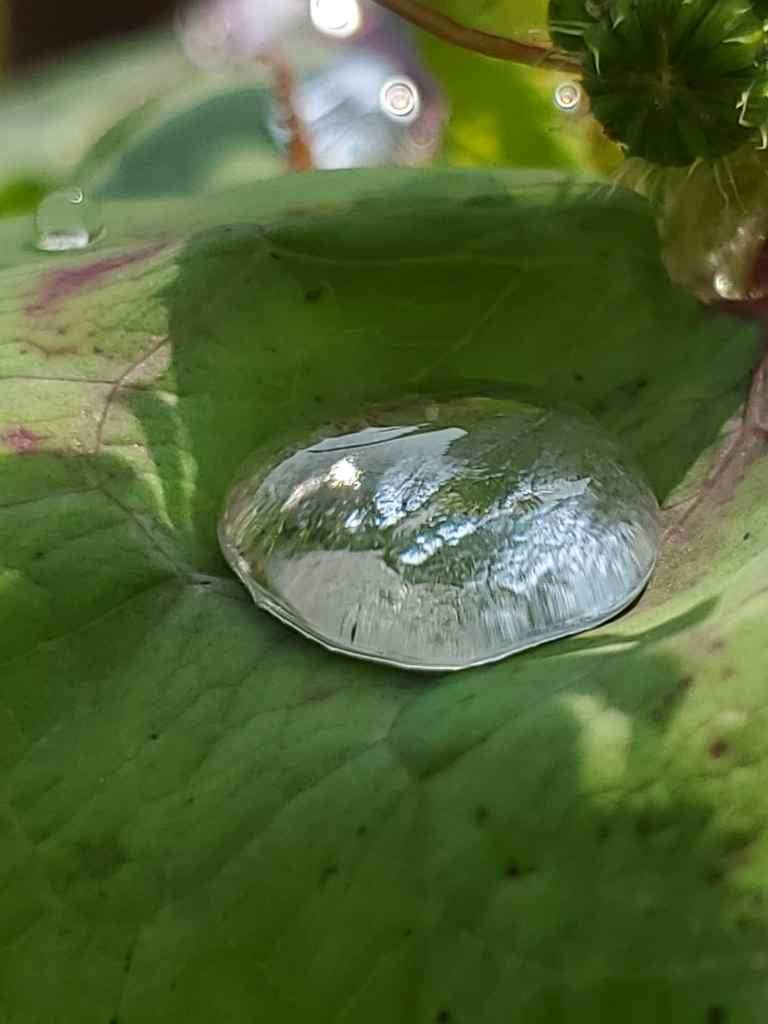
[(480, 42), (747, 443), (284, 86)]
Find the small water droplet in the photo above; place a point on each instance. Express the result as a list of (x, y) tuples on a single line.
[(570, 98), (68, 219), (340, 18), (400, 99), (441, 535)]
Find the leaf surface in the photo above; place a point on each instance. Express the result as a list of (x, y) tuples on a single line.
[(205, 817)]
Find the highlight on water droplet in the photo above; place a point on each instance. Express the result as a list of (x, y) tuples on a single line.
[(67, 220), (339, 18), (725, 287), (570, 98), (439, 535), (400, 100)]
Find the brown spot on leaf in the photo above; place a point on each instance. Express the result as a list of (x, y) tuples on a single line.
[(716, 1015), (57, 286), (718, 747), (22, 441)]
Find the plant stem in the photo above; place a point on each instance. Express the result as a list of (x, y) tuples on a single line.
[(487, 43), (299, 151)]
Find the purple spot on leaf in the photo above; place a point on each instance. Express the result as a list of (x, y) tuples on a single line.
[(59, 285), (20, 440)]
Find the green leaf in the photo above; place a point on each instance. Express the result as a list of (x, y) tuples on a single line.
[(21, 195), (501, 114), (205, 817)]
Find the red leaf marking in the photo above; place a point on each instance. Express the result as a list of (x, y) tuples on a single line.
[(59, 285), (22, 441)]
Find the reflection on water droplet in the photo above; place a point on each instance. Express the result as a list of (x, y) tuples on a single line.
[(441, 535), (725, 287), (340, 18), (68, 219), (399, 99)]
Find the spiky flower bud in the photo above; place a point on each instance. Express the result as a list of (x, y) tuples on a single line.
[(672, 81)]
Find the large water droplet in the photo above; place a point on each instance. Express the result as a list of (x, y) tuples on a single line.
[(441, 535), (68, 219)]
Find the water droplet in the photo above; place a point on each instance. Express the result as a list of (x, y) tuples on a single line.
[(725, 287), (399, 99), (570, 98), (68, 219), (340, 18), (441, 535)]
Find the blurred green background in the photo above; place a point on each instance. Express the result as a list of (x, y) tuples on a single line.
[(149, 99)]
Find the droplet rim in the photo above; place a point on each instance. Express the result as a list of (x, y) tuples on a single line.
[(587, 625)]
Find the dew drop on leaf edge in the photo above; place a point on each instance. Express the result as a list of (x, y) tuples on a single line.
[(440, 535), (68, 220)]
